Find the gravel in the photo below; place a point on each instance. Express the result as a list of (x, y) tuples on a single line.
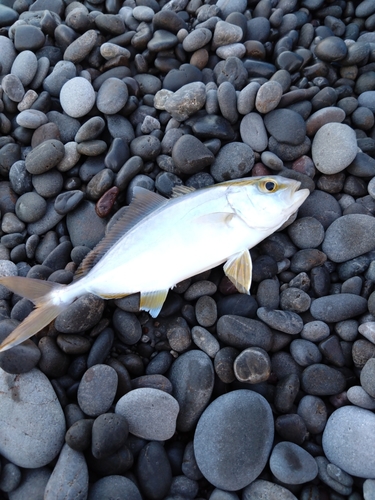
[(98, 98)]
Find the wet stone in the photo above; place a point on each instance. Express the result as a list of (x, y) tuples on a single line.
[(241, 410), (97, 390)]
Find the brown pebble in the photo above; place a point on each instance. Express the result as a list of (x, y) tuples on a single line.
[(305, 165), (199, 58), (105, 203), (45, 132), (260, 169)]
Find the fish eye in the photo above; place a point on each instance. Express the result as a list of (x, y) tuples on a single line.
[(269, 186)]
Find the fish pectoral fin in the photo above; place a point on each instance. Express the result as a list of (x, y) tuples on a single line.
[(238, 269), (153, 301)]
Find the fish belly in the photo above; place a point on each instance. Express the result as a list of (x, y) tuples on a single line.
[(150, 259)]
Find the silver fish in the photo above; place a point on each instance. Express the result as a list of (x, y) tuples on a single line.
[(159, 242)]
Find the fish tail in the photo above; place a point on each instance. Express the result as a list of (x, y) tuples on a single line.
[(48, 306)]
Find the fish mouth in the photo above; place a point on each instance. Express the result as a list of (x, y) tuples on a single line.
[(298, 196)]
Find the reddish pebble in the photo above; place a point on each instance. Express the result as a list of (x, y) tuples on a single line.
[(226, 287), (105, 203), (305, 165), (260, 169)]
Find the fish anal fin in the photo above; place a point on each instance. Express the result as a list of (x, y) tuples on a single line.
[(144, 202), (153, 301), (181, 191), (30, 288), (238, 269)]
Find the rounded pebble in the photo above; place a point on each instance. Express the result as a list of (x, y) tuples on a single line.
[(77, 97)]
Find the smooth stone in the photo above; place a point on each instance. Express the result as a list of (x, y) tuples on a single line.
[(304, 352), (62, 72), (323, 207), (112, 96), (196, 39), (45, 156), (241, 333), (359, 397), (334, 308), (127, 327), (203, 339), (348, 237), (252, 365), (119, 486), (190, 155), (69, 477), (33, 483), (36, 405), (81, 47), (13, 88), (331, 49), (322, 380), (348, 441), (82, 315), (313, 412), (283, 321), (97, 390), (82, 233), (30, 207), (334, 147), (268, 96), (109, 434), (77, 97), (291, 464), (31, 118), (253, 132), (146, 146), (286, 126), (192, 378), (7, 54), (154, 471), (151, 413), (306, 232), (265, 489), (367, 377), (225, 34), (219, 453), (25, 66), (322, 117), (78, 436), (234, 160)]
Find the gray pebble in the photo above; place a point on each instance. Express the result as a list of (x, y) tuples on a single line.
[(81, 47), (323, 475), (220, 455), (197, 39), (315, 331), (151, 413), (226, 33), (206, 311), (121, 486), (291, 464), (253, 132), (30, 207), (304, 352), (347, 440), (333, 308), (48, 184), (314, 413), (192, 377), (154, 471), (186, 101), (322, 380), (306, 232), (283, 321), (241, 333), (286, 391), (252, 365), (45, 156), (334, 147), (83, 314), (127, 327), (295, 300), (190, 155), (10, 477), (69, 477), (25, 66), (112, 96), (36, 405), (31, 118), (203, 339), (359, 397), (77, 97), (82, 233), (286, 126), (268, 96), (62, 72), (97, 390), (367, 377), (261, 488), (33, 483), (13, 88), (246, 98), (234, 160)]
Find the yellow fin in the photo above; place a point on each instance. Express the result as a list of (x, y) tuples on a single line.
[(239, 269), (153, 301), (181, 191), (143, 203)]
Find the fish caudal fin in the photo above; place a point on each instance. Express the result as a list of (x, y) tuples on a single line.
[(38, 291)]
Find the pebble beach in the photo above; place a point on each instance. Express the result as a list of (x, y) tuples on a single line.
[(224, 396)]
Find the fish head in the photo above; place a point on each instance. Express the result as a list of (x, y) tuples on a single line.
[(266, 202)]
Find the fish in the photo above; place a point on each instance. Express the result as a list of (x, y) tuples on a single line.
[(158, 242)]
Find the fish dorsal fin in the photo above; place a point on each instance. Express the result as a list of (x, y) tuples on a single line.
[(238, 269), (181, 190), (153, 301), (144, 202)]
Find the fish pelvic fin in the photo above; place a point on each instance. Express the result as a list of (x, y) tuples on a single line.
[(39, 292)]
